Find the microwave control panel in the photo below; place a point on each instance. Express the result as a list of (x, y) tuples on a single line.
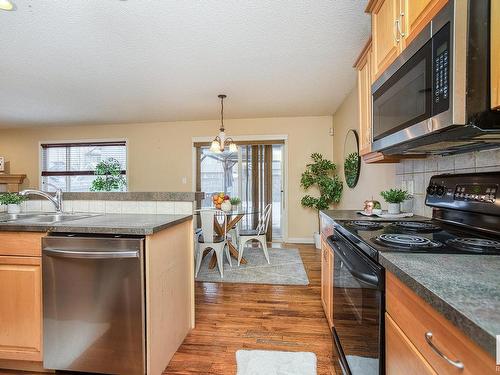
[(441, 64)]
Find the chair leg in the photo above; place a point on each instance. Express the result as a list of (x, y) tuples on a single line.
[(240, 249), (199, 258), (228, 255), (219, 254), (262, 240)]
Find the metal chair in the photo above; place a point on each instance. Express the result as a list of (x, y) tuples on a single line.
[(258, 234), (209, 239)]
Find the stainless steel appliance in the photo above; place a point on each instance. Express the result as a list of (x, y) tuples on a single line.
[(93, 304), (435, 97), (465, 220)]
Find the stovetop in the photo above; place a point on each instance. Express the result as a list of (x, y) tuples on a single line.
[(429, 236)]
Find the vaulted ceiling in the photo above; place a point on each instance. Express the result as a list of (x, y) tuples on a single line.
[(115, 61)]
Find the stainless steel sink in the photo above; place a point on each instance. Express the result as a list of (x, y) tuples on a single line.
[(42, 218)]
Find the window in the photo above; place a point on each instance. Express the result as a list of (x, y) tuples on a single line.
[(70, 165)]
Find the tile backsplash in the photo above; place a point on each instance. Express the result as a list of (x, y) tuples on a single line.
[(111, 207), (414, 174)]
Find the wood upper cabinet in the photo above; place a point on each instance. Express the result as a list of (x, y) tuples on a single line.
[(395, 23), (327, 281), (363, 64), (386, 40), (415, 15), (20, 308), (495, 54)]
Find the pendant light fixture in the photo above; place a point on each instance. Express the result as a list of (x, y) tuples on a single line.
[(6, 5), (220, 141)]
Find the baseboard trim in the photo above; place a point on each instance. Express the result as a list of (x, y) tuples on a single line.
[(307, 240)]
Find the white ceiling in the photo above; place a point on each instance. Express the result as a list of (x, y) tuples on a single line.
[(115, 61)]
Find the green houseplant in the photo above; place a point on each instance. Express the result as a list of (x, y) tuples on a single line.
[(321, 174), (12, 201), (109, 177), (235, 201), (394, 197)]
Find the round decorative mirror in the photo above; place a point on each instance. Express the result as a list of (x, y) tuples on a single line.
[(352, 161)]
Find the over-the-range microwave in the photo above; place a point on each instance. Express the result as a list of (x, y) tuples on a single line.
[(435, 97)]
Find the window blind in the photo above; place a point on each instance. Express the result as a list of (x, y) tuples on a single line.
[(70, 166)]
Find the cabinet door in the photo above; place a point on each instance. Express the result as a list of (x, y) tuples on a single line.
[(417, 14), (365, 112), (20, 308), (401, 357), (385, 38), (326, 282)]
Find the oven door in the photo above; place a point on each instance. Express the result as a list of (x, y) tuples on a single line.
[(358, 297)]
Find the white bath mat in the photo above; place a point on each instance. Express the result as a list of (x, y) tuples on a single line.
[(270, 362)]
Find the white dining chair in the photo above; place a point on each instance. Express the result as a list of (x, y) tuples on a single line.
[(209, 239), (258, 234)]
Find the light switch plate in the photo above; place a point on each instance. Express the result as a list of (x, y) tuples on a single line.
[(2, 164), (410, 187)]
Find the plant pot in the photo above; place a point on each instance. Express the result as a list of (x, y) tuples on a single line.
[(234, 207), (13, 208), (317, 240), (393, 208)]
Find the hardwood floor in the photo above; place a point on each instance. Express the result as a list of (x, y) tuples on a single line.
[(251, 316)]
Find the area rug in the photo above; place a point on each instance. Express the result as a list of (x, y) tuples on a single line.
[(269, 362), (286, 268)]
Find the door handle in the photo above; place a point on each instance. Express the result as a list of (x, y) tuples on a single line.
[(91, 254)]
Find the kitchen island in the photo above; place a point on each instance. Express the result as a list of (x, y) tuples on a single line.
[(168, 283)]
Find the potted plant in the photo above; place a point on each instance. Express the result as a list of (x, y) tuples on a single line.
[(235, 201), (13, 202), (109, 176), (322, 174), (394, 197)]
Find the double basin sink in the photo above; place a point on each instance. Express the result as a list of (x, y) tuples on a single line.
[(41, 218)]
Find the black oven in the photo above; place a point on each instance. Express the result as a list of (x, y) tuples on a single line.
[(358, 309)]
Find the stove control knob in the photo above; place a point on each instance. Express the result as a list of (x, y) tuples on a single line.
[(431, 189), (440, 190)]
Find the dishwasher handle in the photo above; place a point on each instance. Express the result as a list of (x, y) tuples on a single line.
[(91, 254)]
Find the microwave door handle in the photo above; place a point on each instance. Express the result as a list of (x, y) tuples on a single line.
[(371, 280), (91, 254)]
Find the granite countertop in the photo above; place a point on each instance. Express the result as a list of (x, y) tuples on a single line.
[(353, 215), (133, 224), (463, 288)]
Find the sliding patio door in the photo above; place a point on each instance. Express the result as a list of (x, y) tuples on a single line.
[(254, 174)]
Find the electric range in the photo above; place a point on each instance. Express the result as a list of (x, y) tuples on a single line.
[(465, 220)]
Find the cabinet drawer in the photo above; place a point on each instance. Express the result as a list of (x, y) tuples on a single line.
[(401, 357), (416, 318), (21, 243)]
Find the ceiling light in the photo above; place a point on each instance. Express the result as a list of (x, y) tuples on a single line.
[(219, 142), (6, 5)]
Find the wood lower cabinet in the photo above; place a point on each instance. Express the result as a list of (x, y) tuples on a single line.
[(400, 354), (327, 281), (20, 308), (413, 327)]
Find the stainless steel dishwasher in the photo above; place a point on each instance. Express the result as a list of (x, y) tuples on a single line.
[(93, 304)]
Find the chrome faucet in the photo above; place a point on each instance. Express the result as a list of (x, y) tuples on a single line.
[(56, 199)]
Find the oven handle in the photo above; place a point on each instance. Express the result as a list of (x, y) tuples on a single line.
[(363, 277)]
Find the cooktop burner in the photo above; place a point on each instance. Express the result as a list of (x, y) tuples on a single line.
[(366, 225), (417, 226), (405, 241), (474, 244)]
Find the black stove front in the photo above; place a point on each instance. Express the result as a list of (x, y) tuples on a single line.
[(466, 220)]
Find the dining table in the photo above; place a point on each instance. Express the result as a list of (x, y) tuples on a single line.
[(233, 217)]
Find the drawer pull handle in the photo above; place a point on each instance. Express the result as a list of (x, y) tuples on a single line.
[(428, 338)]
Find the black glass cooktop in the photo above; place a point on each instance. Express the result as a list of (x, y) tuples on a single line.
[(428, 236)]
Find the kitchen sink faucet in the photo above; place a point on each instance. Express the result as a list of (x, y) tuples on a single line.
[(56, 199)]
